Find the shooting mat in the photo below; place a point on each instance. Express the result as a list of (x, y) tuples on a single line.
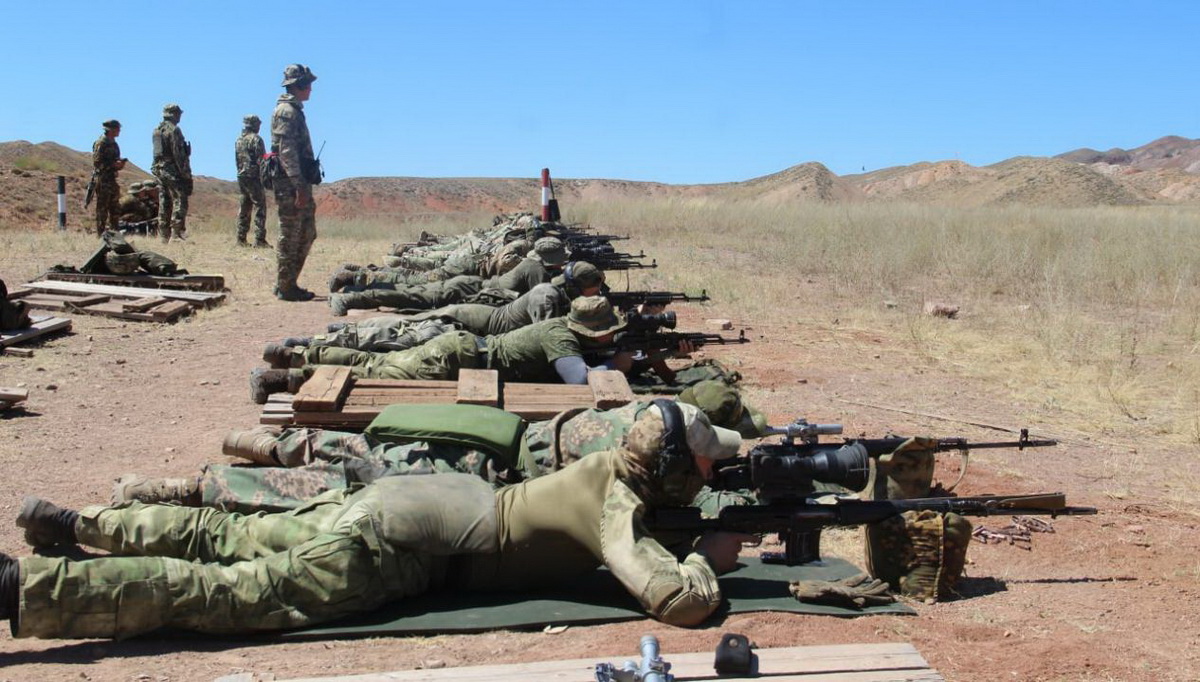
[(598, 598)]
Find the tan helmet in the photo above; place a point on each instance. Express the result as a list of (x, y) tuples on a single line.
[(297, 74)]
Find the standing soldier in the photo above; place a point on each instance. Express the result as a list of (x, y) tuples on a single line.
[(107, 161), (298, 170), (248, 152), (173, 168)]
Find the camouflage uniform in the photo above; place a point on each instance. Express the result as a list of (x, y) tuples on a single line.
[(248, 152), (297, 164), (172, 167), (350, 552), (106, 159)]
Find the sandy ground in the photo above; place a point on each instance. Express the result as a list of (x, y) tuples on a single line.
[(1106, 597)]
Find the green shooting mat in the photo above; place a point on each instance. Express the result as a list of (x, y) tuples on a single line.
[(597, 598)]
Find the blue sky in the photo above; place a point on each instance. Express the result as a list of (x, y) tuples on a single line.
[(672, 91)]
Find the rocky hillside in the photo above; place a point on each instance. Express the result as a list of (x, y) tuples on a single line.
[(1164, 171)]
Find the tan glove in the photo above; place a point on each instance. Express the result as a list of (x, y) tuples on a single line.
[(857, 591)]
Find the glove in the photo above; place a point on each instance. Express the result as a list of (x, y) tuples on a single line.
[(856, 592)]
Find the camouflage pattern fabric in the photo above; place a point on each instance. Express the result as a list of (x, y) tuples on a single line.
[(133, 209), (420, 297), (702, 370), (399, 335), (248, 151), (172, 167), (440, 358), (106, 154), (297, 224), (921, 555)]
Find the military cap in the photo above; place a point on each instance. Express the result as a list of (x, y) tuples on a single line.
[(251, 120), (580, 274), (112, 124), (136, 187), (725, 408), (171, 108), (593, 316), (297, 74), (549, 250)]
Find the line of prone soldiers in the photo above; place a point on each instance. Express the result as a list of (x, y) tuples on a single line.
[(330, 524)]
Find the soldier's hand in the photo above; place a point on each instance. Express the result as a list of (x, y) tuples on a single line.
[(651, 308), (686, 348), (721, 548)]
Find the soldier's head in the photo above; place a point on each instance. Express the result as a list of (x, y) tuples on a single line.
[(670, 450), (251, 123), (136, 188), (298, 80), (724, 407), (149, 188), (580, 278), (172, 112), (593, 319), (112, 127), (550, 251)]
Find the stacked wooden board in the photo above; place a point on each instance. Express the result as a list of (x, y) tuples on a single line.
[(9, 397), (332, 398), (891, 662), (41, 325), (109, 300), (190, 282)]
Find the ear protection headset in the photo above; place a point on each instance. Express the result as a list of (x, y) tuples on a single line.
[(569, 273), (674, 457)]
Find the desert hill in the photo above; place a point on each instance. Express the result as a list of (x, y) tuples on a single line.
[(1166, 170)]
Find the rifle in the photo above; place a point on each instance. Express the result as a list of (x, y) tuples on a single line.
[(626, 300), (91, 189), (655, 341), (799, 522), (787, 469), (622, 261)]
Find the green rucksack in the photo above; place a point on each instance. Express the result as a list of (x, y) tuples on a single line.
[(478, 427)]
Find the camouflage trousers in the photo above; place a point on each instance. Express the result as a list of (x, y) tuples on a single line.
[(172, 204), (454, 266), (254, 197), (297, 232), (440, 358), (216, 572), (385, 333), (315, 461), (420, 297), (108, 205)]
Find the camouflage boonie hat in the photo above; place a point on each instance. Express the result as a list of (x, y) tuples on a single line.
[(593, 316), (725, 408), (112, 124), (171, 108), (251, 120), (580, 274), (297, 74), (136, 187), (549, 250)]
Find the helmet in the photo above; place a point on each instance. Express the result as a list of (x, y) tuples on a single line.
[(171, 108), (122, 263), (251, 120), (297, 74), (112, 124)]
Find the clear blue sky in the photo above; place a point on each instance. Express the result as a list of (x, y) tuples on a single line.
[(673, 91)]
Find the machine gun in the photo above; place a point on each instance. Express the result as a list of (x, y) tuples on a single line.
[(652, 668), (627, 300)]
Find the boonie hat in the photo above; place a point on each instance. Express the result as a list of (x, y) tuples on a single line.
[(136, 187), (297, 74), (251, 120), (171, 108), (549, 250), (593, 316)]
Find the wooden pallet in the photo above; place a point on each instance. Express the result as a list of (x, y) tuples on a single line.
[(41, 326), (889, 662), (332, 398), (190, 282), (124, 302)]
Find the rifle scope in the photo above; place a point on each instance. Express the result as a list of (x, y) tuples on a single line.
[(642, 322), (778, 471)]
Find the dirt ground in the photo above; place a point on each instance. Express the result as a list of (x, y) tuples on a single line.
[(1106, 597)]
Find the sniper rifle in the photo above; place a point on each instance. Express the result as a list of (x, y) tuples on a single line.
[(627, 300)]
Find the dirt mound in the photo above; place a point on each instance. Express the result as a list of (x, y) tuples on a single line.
[(806, 182), (939, 182), (1171, 151), (1055, 182)]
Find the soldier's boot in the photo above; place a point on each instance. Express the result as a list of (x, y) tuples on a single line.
[(10, 588), (264, 382), (47, 524), (257, 445), (136, 488), (294, 294), (279, 356), (353, 267), (393, 261), (241, 240), (342, 279), (337, 304), (263, 244), (333, 327), (297, 341)]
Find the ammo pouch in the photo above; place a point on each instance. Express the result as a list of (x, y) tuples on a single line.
[(478, 427), (311, 171)]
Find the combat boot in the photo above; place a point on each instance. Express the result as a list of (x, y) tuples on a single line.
[(342, 279), (241, 241), (46, 524), (297, 341), (337, 304), (264, 382), (334, 327), (294, 294), (10, 588), (279, 356), (354, 267), (393, 261), (263, 244), (135, 488), (256, 445)]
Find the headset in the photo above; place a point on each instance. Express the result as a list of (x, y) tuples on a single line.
[(674, 457)]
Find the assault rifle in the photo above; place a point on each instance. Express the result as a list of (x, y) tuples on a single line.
[(799, 522), (627, 300), (648, 342), (618, 261), (91, 189)]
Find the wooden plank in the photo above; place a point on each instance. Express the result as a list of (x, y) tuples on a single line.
[(18, 352), (42, 297), (41, 326), (197, 282), (416, 390), (169, 311), (404, 383), (837, 663), (324, 390), (114, 309), (14, 395), (204, 297), (408, 398), (609, 388), (141, 305), (478, 387)]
